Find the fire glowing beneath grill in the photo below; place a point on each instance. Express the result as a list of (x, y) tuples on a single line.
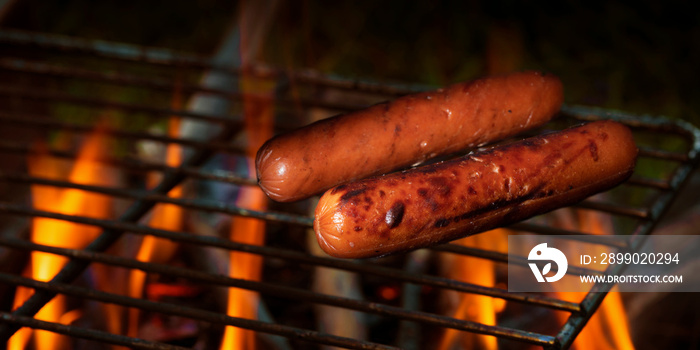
[(472, 307), (57, 233), (607, 329), (165, 216), (258, 114)]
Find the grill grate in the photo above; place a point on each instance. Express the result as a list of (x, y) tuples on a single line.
[(34, 93)]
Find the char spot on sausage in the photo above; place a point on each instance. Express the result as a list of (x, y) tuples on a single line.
[(423, 192), (527, 143), (593, 148), (534, 143), (604, 136), (441, 184), (534, 193), (394, 215), (441, 223), (427, 169), (338, 189), (501, 168), (434, 206), (382, 194), (471, 190), (357, 228)]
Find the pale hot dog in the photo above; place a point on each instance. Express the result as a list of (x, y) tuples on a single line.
[(403, 132)]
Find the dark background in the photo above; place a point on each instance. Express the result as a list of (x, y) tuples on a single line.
[(641, 58)]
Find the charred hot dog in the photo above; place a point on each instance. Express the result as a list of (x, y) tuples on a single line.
[(444, 201)]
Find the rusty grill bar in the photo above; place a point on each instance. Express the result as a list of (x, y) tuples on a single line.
[(55, 59)]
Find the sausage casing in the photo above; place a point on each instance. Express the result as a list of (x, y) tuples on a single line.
[(404, 132), (440, 202)]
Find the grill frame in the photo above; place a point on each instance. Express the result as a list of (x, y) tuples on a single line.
[(191, 169)]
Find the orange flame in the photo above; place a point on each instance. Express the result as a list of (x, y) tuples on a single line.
[(254, 20), (608, 327), (474, 307), (165, 216), (59, 233), (258, 113)]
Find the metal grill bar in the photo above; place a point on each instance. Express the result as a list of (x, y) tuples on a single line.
[(66, 289), (612, 208), (85, 333), (162, 85), (280, 217), (645, 217), (302, 258), (103, 105), (74, 268), (46, 122), (278, 291), (138, 165), (593, 299), (503, 258), (87, 187), (164, 57), (216, 207)]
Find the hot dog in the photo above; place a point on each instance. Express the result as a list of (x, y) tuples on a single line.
[(444, 201), (403, 132)]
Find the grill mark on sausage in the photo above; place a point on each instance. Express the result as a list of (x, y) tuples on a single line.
[(593, 148), (502, 203), (354, 193)]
